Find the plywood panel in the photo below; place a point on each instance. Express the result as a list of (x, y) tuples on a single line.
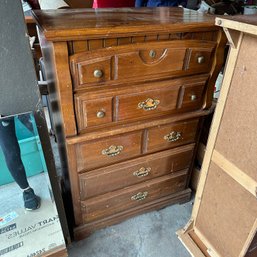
[(225, 224), (237, 139)]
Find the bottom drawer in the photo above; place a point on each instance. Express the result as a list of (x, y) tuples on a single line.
[(120, 200)]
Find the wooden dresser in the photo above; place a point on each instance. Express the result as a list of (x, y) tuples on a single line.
[(129, 87)]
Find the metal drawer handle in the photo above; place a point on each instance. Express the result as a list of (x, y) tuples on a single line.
[(193, 97), (152, 53), (98, 73), (112, 150), (139, 196), (100, 114), (200, 59), (173, 136), (142, 172), (149, 104)]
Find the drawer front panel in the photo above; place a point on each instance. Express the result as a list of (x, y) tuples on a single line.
[(94, 112), (171, 135), (200, 59), (99, 153), (115, 177), (140, 101), (191, 96), (120, 200), (141, 62), (150, 103), (94, 71)]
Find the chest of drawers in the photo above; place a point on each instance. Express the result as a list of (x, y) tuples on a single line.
[(129, 88)]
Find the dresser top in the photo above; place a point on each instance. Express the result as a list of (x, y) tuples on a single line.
[(75, 24)]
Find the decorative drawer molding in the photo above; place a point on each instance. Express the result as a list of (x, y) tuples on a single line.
[(113, 149), (117, 176), (141, 62), (139, 102)]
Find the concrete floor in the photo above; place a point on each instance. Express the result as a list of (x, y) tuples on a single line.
[(147, 235)]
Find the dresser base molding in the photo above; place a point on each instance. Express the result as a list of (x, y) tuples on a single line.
[(87, 229)]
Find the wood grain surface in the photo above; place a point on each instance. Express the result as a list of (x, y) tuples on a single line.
[(110, 22)]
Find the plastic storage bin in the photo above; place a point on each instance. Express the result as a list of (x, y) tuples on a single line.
[(31, 154)]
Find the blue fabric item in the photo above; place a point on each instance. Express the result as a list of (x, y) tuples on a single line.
[(158, 3)]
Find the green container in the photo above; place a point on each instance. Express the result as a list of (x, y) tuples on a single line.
[(31, 153)]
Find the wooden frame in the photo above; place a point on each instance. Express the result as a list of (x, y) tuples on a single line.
[(235, 32)]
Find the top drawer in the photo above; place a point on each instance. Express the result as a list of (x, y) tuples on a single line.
[(141, 62)]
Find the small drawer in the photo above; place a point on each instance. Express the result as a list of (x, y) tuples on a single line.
[(94, 71), (135, 171), (99, 153), (200, 59), (120, 200), (191, 96), (171, 135), (93, 112)]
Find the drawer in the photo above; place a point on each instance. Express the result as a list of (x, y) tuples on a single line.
[(94, 71), (141, 62), (99, 153), (120, 200), (93, 112), (150, 62), (132, 172), (200, 59), (171, 135), (140, 101)]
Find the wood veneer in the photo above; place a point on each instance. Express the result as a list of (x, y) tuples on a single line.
[(130, 88)]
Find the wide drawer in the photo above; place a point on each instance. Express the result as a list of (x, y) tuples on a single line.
[(125, 174), (139, 102), (171, 135), (141, 62), (99, 153), (120, 200)]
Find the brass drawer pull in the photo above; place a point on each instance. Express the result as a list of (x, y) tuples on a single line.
[(100, 114), (152, 53), (112, 150), (193, 97), (142, 172), (149, 104), (173, 136), (98, 73), (139, 196), (200, 59)]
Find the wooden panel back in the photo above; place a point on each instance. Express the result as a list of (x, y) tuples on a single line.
[(226, 223), (239, 118)]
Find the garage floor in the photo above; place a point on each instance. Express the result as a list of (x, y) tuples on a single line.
[(148, 235)]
